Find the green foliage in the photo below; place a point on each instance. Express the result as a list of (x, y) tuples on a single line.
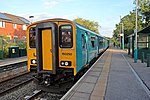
[(128, 22), (20, 43), (88, 24), (5, 48), (144, 8), (114, 40), (5, 43)]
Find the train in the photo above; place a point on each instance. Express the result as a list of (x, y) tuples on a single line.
[(58, 49)]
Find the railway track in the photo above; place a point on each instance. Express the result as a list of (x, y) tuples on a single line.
[(14, 83), (11, 68), (35, 94), (42, 95)]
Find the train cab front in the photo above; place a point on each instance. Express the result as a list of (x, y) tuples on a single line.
[(55, 52)]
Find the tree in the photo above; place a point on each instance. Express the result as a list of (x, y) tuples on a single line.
[(88, 24), (144, 9), (129, 25), (129, 20)]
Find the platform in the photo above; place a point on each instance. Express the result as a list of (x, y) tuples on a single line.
[(12, 60), (114, 76)]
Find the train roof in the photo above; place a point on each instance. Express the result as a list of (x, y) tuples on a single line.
[(61, 19), (53, 19), (88, 30)]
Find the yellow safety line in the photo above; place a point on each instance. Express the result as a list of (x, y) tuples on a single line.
[(100, 87)]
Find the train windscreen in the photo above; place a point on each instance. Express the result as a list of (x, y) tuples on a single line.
[(66, 36), (32, 36)]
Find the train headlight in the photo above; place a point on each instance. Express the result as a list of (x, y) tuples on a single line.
[(33, 61), (65, 63), (46, 82), (62, 63)]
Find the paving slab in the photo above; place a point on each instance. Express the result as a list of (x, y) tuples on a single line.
[(122, 83), (91, 79), (93, 73), (86, 88)]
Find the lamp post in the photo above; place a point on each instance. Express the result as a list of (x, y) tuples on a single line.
[(31, 18), (122, 36), (135, 47), (122, 33)]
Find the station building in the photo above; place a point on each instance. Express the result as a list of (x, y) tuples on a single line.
[(143, 43)]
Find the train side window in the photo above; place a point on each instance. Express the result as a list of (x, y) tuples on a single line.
[(93, 42), (32, 36), (66, 36), (100, 42), (83, 41)]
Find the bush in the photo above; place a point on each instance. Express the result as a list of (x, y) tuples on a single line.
[(22, 45), (5, 48), (6, 42)]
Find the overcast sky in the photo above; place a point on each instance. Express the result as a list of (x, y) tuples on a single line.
[(106, 12)]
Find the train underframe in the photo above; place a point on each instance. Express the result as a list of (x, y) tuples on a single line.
[(59, 82)]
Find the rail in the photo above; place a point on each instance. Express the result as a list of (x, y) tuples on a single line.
[(13, 83), (35, 94)]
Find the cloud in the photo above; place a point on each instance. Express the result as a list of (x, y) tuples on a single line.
[(106, 31), (38, 16), (45, 15), (53, 3)]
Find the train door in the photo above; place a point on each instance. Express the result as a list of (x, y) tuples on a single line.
[(46, 47), (84, 50), (97, 43), (86, 46)]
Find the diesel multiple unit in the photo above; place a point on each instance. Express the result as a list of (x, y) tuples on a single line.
[(58, 49)]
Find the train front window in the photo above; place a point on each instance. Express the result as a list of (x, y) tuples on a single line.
[(32, 36), (66, 36)]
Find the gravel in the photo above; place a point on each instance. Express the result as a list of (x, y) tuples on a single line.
[(28, 90), (20, 93), (49, 96)]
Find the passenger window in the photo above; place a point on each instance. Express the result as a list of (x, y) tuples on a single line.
[(100, 42), (66, 38), (83, 41), (32, 36), (93, 42)]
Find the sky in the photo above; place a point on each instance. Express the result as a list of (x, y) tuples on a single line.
[(106, 12)]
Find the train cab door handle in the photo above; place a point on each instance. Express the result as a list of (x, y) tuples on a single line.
[(34, 54), (51, 50)]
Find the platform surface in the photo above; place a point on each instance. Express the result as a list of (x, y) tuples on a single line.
[(12, 60), (114, 76)]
